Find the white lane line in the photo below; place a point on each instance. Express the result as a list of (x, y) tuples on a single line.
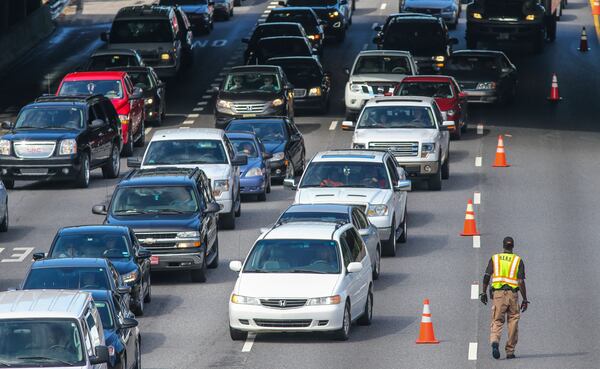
[(333, 125), (476, 242), (249, 342), (267, 11), (202, 103), (214, 84), (219, 79), (274, 3), (193, 115), (209, 91), (206, 96), (374, 25), (271, 6), (480, 129), (365, 47), (478, 161), (148, 130), (222, 74), (231, 62), (477, 198), (264, 15), (188, 122), (383, 6), (475, 291), (472, 351), (198, 109)]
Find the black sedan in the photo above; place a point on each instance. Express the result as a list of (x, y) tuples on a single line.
[(276, 47), (120, 331), (104, 59), (486, 76), (263, 30), (305, 16), (282, 139), (119, 245), (311, 83), (198, 12)]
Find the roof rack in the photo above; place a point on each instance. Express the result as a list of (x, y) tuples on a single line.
[(189, 172)]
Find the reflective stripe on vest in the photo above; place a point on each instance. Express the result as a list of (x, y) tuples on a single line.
[(506, 269)]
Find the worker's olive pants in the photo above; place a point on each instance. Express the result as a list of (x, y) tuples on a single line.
[(505, 304)]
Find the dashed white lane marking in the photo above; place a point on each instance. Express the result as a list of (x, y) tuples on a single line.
[(184, 127), (383, 6), (475, 291), (365, 47), (209, 91), (264, 15), (480, 129), (222, 74), (476, 242), (472, 351), (267, 11), (206, 96), (193, 115), (148, 130), (274, 3), (219, 79), (374, 25), (271, 6), (214, 84), (478, 161), (249, 342), (188, 122), (333, 125), (231, 62), (477, 198), (198, 109), (202, 103)]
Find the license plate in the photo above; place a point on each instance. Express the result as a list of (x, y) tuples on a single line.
[(154, 260), (248, 115), (34, 171), (503, 36)]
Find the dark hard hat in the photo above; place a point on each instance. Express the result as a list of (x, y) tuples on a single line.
[(508, 242)]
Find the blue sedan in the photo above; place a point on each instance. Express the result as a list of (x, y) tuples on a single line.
[(255, 177)]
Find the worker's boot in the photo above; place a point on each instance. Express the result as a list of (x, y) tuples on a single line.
[(495, 350)]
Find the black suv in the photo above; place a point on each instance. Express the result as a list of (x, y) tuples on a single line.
[(306, 17), (173, 214), (199, 12), (253, 91), (271, 30), (62, 137), (281, 46), (424, 36), (336, 15)]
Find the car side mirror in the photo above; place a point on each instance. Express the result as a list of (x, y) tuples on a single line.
[(101, 356), (144, 253), (453, 41), (245, 40), (39, 256), (97, 123), (347, 125), (123, 290), (405, 185), (363, 232), (267, 155), (99, 209), (6, 125), (290, 183), (134, 162), (129, 323), (354, 267), (282, 3), (506, 70), (315, 50), (235, 265), (212, 208), (104, 36), (239, 160)]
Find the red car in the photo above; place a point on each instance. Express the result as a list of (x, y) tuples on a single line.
[(446, 92), (127, 100)]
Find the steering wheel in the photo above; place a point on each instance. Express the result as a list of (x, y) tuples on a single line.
[(319, 262), (57, 347), (398, 70)]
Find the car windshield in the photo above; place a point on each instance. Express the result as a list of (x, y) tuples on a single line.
[(245, 147), (183, 2), (154, 200), (321, 216), (113, 89), (304, 18), (252, 82), (311, 3), (294, 256), (381, 64), (37, 342), (300, 72), (103, 62), (345, 174), (105, 314), (280, 47), (428, 89), (421, 39), (459, 63), (267, 30), (178, 152), (396, 117), (91, 245), (140, 80), (50, 117), (267, 132), (67, 278), (141, 31)]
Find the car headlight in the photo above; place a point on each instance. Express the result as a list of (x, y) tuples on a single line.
[(149, 101), (477, 15), (355, 88), (165, 57), (277, 102), (67, 147), (225, 104), (130, 277), (334, 14), (124, 118), (4, 147), (358, 146), (530, 17), (278, 156), (245, 300), (329, 300), (377, 210), (427, 148), (188, 234), (486, 86), (440, 58), (315, 91), (220, 186), (448, 9), (254, 172)]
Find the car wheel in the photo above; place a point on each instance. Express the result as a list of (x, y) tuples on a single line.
[(389, 247), (377, 263), (237, 335), (128, 147), (142, 140), (344, 333), (112, 168), (83, 178), (262, 196), (404, 225), (446, 167), (138, 306), (268, 190), (367, 316), (227, 221), (215, 262), (138, 354), (238, 211), (4, 224), (199, 275), (353, 4), (435, 182), (148, 297)]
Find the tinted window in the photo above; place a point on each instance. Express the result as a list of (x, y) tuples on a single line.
[(472, 63), (356, 245), (136, 31), (345, 174), (361, 219), (306, 19), (299, 72), (418, 38), (102, 62), (380, 64), (91, 245), (396, 117), (185, 152), (429, 89), (183, 2), (252, 82), (154, 200), (267, 132), (272, 48), (276, 30), (111, 89), (140, 79), (245, 147), (50, 117), (68, 278), (346, 250), (393, 171), (106, 316)]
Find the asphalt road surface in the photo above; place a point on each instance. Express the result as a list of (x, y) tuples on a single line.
[(548, 200)]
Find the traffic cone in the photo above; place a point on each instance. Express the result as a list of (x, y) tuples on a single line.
[(470, 227), (500, 154), (583, 43), (595, 7), (554, 95), (426, 334)]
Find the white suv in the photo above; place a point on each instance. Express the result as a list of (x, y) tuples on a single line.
[(375, 73), (303, 277), (208, 149), (371, 179), (413, 129)]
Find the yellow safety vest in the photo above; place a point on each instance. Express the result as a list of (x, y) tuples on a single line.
[(506, 268)]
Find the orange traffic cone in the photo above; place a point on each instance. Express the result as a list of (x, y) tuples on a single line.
[(470, 227), (596, 7), (426, 334), (583, 43), (500, 154), (554, 95)]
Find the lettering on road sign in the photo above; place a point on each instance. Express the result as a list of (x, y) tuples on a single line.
[(208, 43), (18, 255)]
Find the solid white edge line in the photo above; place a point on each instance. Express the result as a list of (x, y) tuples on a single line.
[(148, 130), (477, 198), (193, 116), (478, 161), (383, 6), (475, 291), (249, 342), (480, 129), (476, 242), (472, 351), (333, 125)]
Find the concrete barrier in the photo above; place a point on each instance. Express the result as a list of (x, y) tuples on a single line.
[(21, 37)]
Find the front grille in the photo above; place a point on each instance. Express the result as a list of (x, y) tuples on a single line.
[(248, 108), (424, 10), (378, 88), (34, 150), (158, 240), (280, 323), (299, 92), (397, 148), (283, 303)]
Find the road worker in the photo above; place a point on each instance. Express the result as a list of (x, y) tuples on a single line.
[(507, 274)]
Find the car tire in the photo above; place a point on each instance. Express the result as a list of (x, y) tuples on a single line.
[(227, 221), (435, 182), (5, 219), (262, 196), (138, 306), (138, 354), (353, 4), (237, 335), (446, 167), (113, 167), (9, 183), (344, 333), (389, 246), (199, 275), (215, 262), (404, 236), (238, 212), (141, 141), (377, 264), (128, 147), (367, 316), (148, 297), (268, 190), (83, 177)]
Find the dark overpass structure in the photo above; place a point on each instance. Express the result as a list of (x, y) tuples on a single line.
[(15, 11)]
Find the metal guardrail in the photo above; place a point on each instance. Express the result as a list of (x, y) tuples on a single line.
[(57, 6)]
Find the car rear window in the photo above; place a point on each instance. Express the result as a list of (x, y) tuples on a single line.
[(472, 63), (382, 64), (68, 278), (428, 89), (141, 31), (113, 89), (273, 48), (421, 39), (103, 62), (276, 30), (306, 19)]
